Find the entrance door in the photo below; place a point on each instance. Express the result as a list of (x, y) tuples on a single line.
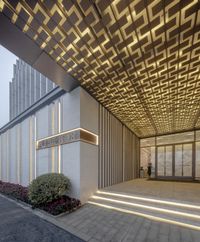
[(164, 160), (183, 160), (175, 160)]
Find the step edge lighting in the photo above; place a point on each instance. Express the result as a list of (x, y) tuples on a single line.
[(194, 216), (151, 200), (151, 217)]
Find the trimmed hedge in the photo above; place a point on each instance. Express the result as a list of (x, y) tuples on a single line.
[(47, 188)]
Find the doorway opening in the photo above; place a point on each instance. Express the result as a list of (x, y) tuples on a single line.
[(173, 157), (175, 161)]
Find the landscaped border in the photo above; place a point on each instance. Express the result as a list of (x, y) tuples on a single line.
[(64, 204)]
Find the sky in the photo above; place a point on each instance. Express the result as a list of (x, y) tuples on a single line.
[(7, 59)]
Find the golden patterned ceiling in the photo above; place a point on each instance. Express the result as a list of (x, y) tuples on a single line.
[(140, 59)]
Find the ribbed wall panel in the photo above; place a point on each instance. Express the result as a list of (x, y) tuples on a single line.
[(110, 149), (118, 151), (130, 154)]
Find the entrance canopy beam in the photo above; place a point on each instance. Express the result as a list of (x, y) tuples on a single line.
[(25, 48)]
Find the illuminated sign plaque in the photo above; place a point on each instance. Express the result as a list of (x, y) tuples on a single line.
[(68, 137)]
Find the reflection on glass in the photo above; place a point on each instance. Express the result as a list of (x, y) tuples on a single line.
[(183, 160), (161, 161), (168, 162), (178, 160), (164, 158), (197, 169), (147, 155), (153, 168), (147, 142), (187, 159), (175, 138), (174, 154), (197, 135)]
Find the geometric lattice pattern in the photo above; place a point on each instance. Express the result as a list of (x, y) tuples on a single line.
[(140, 59)]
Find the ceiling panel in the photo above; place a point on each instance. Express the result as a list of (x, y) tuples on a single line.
[(140, 59)]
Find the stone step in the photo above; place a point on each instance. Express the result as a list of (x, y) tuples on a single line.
[(180, 206), (175, 212)]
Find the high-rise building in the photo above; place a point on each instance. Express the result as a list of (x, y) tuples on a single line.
[(26, 88)]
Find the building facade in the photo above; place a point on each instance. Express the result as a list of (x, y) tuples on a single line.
[(72, 134), (26, 88), (137, 59)]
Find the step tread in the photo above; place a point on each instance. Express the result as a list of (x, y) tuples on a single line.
[(182, 219), (154, 204), (145, 196)]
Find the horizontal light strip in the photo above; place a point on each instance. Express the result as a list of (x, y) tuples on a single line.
[(158, 219), (163, 210), (150, 200)]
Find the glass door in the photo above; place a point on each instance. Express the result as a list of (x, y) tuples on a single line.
[(183, 160), (164, 160), (175, 160)]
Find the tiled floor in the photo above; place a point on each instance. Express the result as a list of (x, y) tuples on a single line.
[(101, 224), (182, 191), (106, 224)]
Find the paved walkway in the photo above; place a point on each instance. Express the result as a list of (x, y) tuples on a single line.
[(101, 224), (105, 224), (19, 225), (94, 223)]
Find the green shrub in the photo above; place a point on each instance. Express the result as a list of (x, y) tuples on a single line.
[(48, 187)]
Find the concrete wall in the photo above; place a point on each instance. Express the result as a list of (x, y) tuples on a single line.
[(20, 162), (89, 154), (85, 164)]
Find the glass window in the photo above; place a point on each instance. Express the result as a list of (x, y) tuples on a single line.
[(197, 168), (147, 142), (147, 155), (178, 160), (183, 160), (161, 161), (197, 135), (187, 159), (175, 138), (168, 160)]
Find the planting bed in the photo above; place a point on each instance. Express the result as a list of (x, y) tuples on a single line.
[(55, 207)]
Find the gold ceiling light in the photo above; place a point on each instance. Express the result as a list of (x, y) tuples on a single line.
[(145, 54), (1, 5)]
